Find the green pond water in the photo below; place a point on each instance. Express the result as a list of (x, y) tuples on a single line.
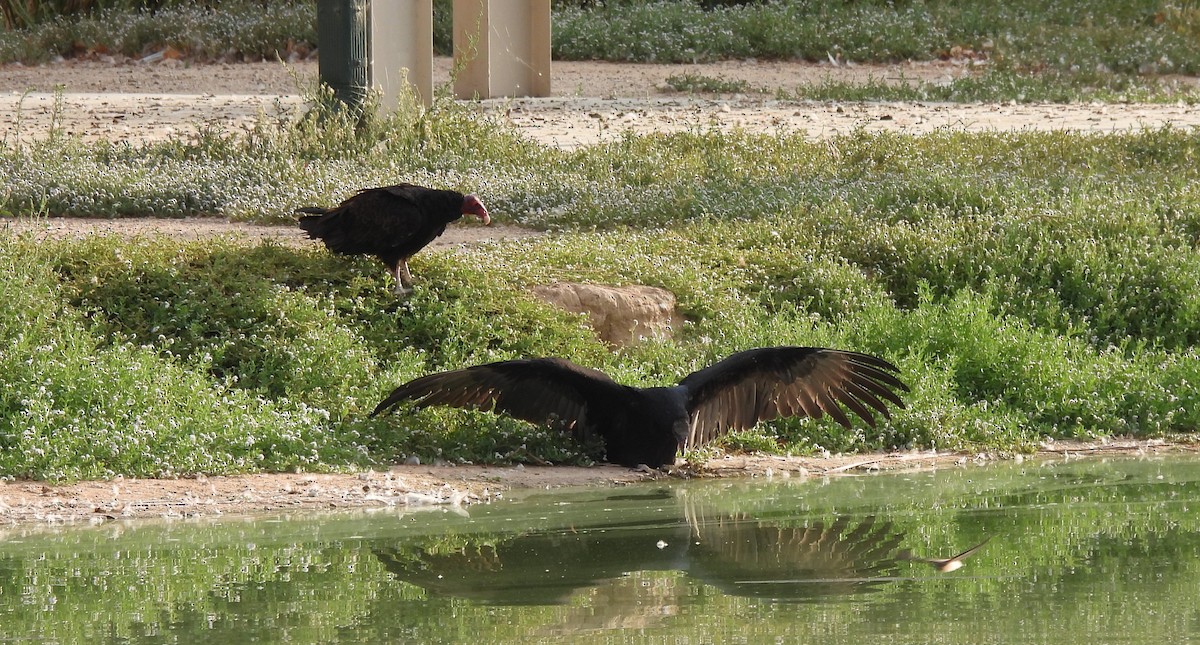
[(1083, 551)]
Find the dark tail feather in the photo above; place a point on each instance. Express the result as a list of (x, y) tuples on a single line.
[(313, 210), (312, 223)]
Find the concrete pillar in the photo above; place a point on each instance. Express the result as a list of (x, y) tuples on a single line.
[(343, 49), (401, 49), (502, 47)]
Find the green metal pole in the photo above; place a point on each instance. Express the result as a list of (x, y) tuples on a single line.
[(343, 55)]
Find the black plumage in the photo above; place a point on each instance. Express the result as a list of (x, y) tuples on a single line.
[(650, 425), (391, 223)]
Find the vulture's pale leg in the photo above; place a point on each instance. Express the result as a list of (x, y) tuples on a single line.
[(403, 279)]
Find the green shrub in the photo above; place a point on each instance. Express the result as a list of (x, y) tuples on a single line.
[(77, 404), (239, 29), (700, 83)]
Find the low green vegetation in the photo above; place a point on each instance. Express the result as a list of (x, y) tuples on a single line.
[(699, 83), (1125, 37), (1024, 50), (17, 14), (232, 30), (998, 85), (1029, 285)]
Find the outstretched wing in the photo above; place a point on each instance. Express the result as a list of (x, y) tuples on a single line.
[(771, 382), (541, 390)]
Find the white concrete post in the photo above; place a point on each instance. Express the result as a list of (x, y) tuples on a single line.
[(503, 47), (401, 49)]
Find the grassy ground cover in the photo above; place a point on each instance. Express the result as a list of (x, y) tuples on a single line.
[(1032, 50), (1029, 285), (1119, 36), (240, 28)]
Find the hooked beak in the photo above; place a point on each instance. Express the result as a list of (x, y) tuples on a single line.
[(473, 206)]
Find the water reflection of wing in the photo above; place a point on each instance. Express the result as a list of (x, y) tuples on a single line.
[(734, 552), (748, 557), (536, 568)]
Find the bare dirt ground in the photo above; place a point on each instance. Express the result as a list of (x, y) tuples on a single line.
[(592, 102), (195, 228)]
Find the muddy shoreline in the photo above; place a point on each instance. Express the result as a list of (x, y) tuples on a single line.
[(415, 486)]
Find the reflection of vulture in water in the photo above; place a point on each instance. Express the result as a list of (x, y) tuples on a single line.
[(945, 565), (390, 223), (737, 554), (746, 557), (649, 425)]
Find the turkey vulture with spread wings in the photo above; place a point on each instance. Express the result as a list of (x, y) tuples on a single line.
[(391, 223), (650, 425)]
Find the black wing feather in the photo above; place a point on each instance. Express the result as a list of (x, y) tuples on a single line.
[(541, 390), (767, 383)]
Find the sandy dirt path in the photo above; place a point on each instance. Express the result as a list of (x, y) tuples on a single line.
[(194, 228), (592, 102)]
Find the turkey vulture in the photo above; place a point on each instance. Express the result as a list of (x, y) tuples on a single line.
[(391, 223), (649, 425)]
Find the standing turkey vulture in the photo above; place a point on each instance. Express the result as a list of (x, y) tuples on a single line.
[(391, 223), (649, 425)]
